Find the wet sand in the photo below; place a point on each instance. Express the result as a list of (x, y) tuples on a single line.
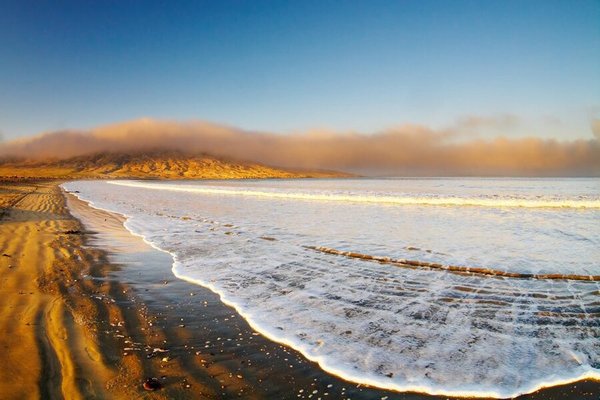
[(90, 311)]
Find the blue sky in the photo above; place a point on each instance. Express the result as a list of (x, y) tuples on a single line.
[(291, 66)]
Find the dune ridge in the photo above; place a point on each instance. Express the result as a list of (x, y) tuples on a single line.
[(150, 165)]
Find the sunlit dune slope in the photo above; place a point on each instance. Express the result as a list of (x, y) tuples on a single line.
[(150, 165)]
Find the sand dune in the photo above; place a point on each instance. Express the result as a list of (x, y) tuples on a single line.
[(149, 165)]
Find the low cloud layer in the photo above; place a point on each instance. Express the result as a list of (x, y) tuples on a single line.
[(405, 150)]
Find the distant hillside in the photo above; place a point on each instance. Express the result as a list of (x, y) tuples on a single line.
[(154, 165)]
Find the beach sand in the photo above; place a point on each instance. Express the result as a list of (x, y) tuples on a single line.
[(63, 324), (90, 311)]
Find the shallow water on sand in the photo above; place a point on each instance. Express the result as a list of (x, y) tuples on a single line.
[(202, 333), (387, 325)]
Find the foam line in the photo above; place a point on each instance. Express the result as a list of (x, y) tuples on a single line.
[(382, 383), (458, 269), (390, 200)]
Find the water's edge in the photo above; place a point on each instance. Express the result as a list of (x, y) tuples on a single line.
[(323, 363)]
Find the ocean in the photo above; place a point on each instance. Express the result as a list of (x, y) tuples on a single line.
[(454, 286)]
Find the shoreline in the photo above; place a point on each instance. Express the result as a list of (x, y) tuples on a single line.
[(104, 303), (275, 370), (68, 328), (50, 336)]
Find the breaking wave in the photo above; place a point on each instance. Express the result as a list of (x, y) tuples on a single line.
[(374, 199)]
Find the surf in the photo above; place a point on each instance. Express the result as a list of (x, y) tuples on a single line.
[(373, 287), (378, 199)]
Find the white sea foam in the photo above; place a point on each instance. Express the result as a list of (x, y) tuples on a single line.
[(401, 329), (376, 199)]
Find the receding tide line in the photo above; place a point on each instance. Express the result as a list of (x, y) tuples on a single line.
[(457, 269), (371, 199)]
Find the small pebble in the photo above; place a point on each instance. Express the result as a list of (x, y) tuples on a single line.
[(152, 384)]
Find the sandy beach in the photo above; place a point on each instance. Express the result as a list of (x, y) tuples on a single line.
[(89, 311), (53, 322), (300, 200), (63, 335), (70, 329)]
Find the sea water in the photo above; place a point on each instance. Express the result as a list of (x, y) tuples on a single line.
[(385, 324)]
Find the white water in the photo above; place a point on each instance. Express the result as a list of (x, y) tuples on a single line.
[(378, 198), (403, 329)]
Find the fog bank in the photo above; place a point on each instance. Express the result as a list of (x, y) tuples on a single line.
[(404, 150)]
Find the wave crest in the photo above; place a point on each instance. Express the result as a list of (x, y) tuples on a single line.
[(376, 199)]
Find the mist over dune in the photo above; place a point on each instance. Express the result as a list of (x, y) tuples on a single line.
[(403, 150)]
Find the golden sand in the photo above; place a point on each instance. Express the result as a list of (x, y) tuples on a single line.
[(54, 325), (45, 353)]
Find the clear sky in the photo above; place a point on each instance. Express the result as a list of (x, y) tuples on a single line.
[(290, 66)]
